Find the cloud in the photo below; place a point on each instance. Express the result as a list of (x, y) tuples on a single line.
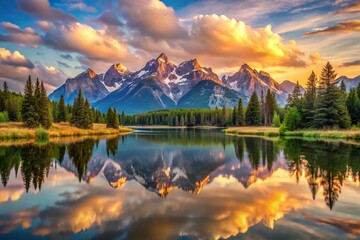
[(45, 25), (315, 57), (15, 69), (108, 18), (214, 35), (340, 28), (350, 64), (16, 35), (23, 218), (42, 9), (83, 39), (152, 18), (67, 57), (351, 8), (347, 225), (82, 6), (14, 59), (63, 64)]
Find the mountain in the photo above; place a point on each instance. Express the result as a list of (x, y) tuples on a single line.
[(289, 86), (136, 97), (88, 81), (349, 82), (209, 94), (248, 80), (161, 84), (115, 77)]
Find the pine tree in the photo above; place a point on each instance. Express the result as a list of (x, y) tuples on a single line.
[(234, 114), (109, 118), (353, 106), (262, 108), (45, 116), (122, 117), (27, 110), (358, 90), (270, 106), (223, 116), (295, 98), (240, 121), (88, 121), (37, 101), (309, 100), (61, 116), (330, 109), (252, 115)]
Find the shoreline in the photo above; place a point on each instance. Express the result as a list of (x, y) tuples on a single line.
[(14, 131), (306, 133), (172, 127)]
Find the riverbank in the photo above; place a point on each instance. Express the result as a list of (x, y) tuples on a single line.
[(307, 133), (14, 131), (173, 127)]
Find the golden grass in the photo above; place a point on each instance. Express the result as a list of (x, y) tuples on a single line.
[(19, 131), (306, 133)]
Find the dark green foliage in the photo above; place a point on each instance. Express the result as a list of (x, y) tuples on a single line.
[(112, 120), (292, 119), (45, 117), (330, 111), (309, 101), (269, 108), (240, 121), (252, 115), (233, 116), (29, 116), (81, 113), (61, 113), (353, 106)]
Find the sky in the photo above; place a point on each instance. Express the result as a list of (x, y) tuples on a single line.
[(53, 40)]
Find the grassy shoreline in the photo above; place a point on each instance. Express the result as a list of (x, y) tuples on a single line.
[(306, 133), (15, 131), (172, 127)]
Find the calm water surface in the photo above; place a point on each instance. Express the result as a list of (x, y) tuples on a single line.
[(180, 184)]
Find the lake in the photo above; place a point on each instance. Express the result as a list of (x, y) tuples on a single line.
[(180, 184)]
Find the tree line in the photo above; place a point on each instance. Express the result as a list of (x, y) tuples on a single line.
[(324, 105), (34, 109)]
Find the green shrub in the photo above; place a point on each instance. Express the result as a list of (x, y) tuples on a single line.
[(282, 129), (276, 120), (4, 117), (41, 134), (292, 119)]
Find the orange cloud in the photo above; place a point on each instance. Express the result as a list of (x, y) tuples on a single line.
[(215, 35), (351, 8), (315, 57), (92, 43), (340, 28), (15, 59)]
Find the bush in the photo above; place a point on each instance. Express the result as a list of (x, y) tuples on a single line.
[(282, 130), (276, 120), (4, 117), (41, 135), (292, 119)]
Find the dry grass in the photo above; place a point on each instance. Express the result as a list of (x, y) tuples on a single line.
[(262, 131), (19, 131), (306, 133)]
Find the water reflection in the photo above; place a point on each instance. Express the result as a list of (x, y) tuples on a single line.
[(215, 186)]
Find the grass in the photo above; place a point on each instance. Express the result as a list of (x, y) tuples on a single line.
[(353, 134), (41, 134), (15, 131)]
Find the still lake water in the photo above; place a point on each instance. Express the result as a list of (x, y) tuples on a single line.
[(180, 184)]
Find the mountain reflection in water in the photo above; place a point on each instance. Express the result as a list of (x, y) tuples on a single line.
[(215, 186)]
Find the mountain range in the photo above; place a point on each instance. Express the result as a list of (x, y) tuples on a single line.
[(161, 84)]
